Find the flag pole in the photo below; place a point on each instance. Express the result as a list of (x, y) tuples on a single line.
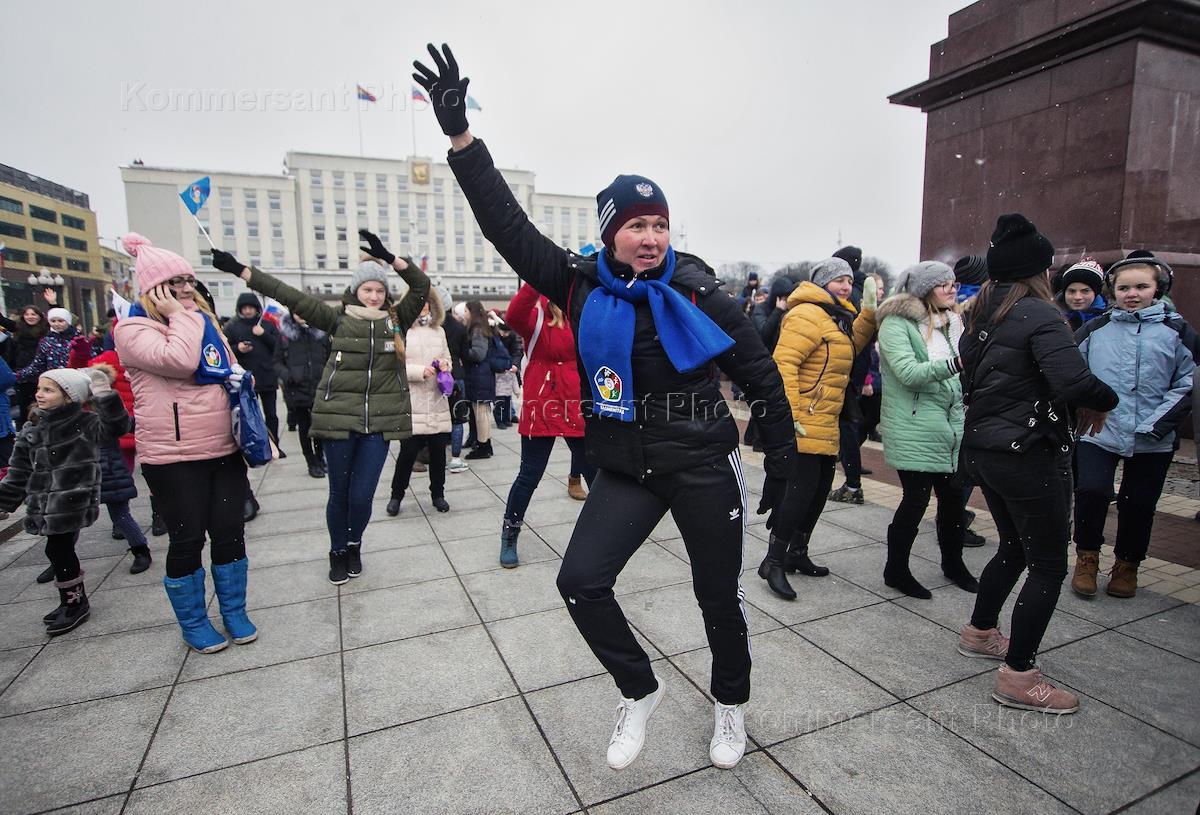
[(412, 118), (358, 109), (204, 232)]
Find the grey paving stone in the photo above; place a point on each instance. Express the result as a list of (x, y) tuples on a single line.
[(869, 519), (863, 566), (893, 647), (119, 577), (476, 498), (1111, 612), (651, 567), (227, 720), (482, 553), (951, 607), (105, 806), (509, 592), (677, 548), (898, 761), (1177, 629), (796, 687), (755, 785), (397, 567), (441, 672), (113, 610), (546, 649), (16, 546), (829, 537), (289, 583), (272, 502), (666, 528), (309, 520), (816, 597), (508, 770), (551, 510), (13, 662), (1058, 753), (556, 536), (308, 782), (93, 668), (95, 571), (450, 525), (976, 557), (21, 624), (285, 633), (395, 533), (670, 618), (1163, 694), (107, 739), (404, 611), (1180, 797), (291, 547), (16, 579), (578, 719)]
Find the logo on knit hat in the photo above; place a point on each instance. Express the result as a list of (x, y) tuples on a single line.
[(608, 384), (644, 190), (212, 357)]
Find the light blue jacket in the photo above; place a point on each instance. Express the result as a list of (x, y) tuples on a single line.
[(1147, 357)]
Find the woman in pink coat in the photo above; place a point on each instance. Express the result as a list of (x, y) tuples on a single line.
[(178, 364), (549, 408)]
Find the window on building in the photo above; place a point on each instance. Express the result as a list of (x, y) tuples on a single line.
[(457, 189), (496, 265), (319, 233), (438, 186), (252, 230), (548, 215), (343, 263), (581, 221), (318, 207), (327, 288), (277, 259), (251, 198), (402, 183), (227, 229), (77, 265), (12, 230), (360, 181), (341, 233), (339, 178), (226, 199), (402, 211), (256, 261), (565, 218), (53, 261), (478, 241), (277, 230), (384, 236), (361, 211), (73, 222), (320, 260), (380, 182), (458, 240), (43, 214), (383, 211), (314, 177), (75, 243), (273, 200), (45, 237), (339, 207), (479, 265), (12, 205), (15, 255)]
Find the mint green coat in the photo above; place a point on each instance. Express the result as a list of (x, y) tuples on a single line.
[(922, 412)]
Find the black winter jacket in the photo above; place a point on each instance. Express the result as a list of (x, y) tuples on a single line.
[(116, 482), (479, 378), (1020, 377), (55, 465), (456, 339), (299, 360), (260, 359), (681, 420)]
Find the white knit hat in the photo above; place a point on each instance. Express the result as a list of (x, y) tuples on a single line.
[(59, 313), (74, 383)]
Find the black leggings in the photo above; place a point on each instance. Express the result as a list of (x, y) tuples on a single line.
[(409, 449), (195, 497), (849, 442), (309, 446), (267, 397), (60, 550), (708, 504), (1141, 485), (805, 497), (915, 501), (1029, 496)]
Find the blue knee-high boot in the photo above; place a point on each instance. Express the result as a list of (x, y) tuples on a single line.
[(230, 580), (187, 599)]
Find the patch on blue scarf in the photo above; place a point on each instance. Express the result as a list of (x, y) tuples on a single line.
[(214, 367)]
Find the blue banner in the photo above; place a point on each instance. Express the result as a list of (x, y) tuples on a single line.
[(196, 194)]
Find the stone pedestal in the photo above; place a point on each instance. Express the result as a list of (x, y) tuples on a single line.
[(1084, 116)]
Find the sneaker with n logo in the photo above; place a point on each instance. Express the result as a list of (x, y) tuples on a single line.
[(1030, 690)]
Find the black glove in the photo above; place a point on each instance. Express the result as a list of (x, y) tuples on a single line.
[(447, 92), (227, 263), (375, 247), (773, 492)]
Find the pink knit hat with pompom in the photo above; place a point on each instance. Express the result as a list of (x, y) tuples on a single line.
[(154, 266)]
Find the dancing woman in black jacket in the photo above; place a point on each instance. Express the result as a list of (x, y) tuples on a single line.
[(649, 325)]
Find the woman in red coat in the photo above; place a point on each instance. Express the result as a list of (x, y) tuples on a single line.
[(550, 408)]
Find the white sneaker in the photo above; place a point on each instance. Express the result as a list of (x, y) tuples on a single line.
[(630, 733), (728, 743), (457, 465)]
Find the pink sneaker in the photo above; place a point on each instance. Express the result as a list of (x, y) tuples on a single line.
[(1029, 690), (976, 642)]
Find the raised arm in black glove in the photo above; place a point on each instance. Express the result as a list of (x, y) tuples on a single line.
[(375, 247), (447, 92), (225, 262)]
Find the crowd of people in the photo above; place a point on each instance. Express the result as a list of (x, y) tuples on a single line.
[(991, 374)]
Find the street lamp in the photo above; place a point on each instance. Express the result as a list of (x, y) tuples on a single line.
[(44, 278)]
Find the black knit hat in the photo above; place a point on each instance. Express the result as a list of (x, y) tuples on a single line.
[(852, 255), (781, 286), (627, 197), (1017, 250), (1088, 272), (971, 270)]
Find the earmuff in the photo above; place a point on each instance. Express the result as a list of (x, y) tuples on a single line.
[(1161, 267)]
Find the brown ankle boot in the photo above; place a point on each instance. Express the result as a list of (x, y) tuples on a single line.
[(575, 488), (1087, 564), (1123, 579)]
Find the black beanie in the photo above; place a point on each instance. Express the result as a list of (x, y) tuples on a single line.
[(781, 286), (1017, 250), (627, 197), (852, 255), (971, 270)]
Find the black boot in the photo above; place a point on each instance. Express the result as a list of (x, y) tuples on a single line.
[(46, 576), (250, 509), (117, 535), (482, 450), (141, 559), (158, 527), (797, 559), (337, 567), (954, 568), (896, 573), (74, 610), (315, 470), (771, 569), (354, 559), (509, 532), (393, 507)]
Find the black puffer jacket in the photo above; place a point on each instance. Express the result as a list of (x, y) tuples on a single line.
[(260, 359), (55, 465), (300, 360), (116, 482), (681, 420), (456, 339), (1020, 376)]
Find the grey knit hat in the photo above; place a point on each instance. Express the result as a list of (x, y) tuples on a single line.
[(921, 278), (368, 270), (74, 383), (830, 269)]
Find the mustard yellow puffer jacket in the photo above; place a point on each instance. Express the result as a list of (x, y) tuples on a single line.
[(814, 357)]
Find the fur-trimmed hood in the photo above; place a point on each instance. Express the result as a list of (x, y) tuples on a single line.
[(902, 304)]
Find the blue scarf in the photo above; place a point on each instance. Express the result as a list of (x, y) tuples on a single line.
[(605, 339), (214, 367)]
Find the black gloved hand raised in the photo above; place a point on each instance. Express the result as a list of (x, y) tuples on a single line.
[(447, 92), (227, 263), (375, 247)]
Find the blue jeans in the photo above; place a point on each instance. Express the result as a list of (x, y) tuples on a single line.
[(354, 466), (456, 430), (123, 522), (535, 452)]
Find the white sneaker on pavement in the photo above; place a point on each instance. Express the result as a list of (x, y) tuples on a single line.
[(728, 743), (630, 733), (457, 465)]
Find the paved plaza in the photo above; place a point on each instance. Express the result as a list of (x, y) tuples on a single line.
[(440, 683)]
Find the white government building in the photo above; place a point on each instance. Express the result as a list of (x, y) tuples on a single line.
[(302, 225)]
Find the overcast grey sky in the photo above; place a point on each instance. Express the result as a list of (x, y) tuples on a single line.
[(766, 123)]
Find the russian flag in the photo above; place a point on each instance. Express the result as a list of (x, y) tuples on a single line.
[(418, 96), (363, 93)]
